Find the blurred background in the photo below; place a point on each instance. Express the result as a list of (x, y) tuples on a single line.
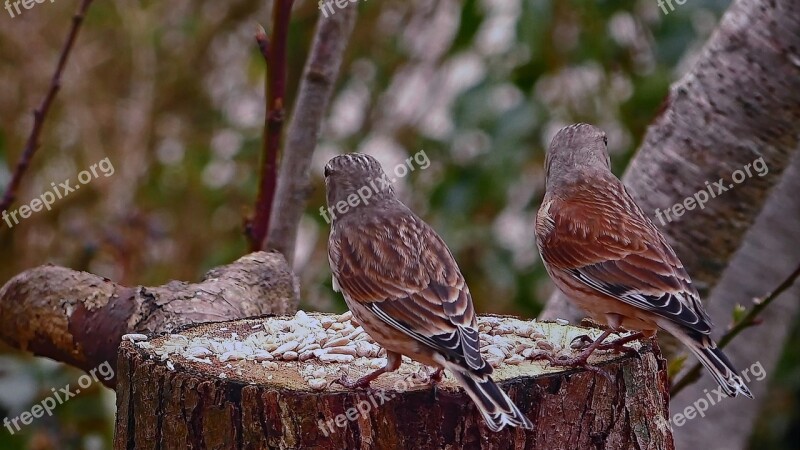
[(172, 93)]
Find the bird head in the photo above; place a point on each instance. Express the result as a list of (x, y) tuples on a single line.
[(577, 149), (356, 180)]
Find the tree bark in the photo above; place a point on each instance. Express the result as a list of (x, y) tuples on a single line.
[(79, 318), (319, 76), (741, 101), (172, 392), (757, 268)]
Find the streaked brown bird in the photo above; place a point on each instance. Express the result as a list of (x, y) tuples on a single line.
[(609, 259), (402, 284)]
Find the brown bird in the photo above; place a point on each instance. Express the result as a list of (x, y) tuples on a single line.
[(403, 286), (609, 259)]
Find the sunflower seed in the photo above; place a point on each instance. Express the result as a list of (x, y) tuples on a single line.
[(342, 351), (336, 358), (134, 337), (336, 342), (317, 384)]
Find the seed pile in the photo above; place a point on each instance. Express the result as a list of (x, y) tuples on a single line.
[(319, 345)]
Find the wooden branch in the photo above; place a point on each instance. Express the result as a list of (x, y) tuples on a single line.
[(78, 318), (274, 52), (747, 321), (264, 383), (40, 113), (316, 87)]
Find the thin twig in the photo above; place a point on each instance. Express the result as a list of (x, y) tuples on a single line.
[(39, 114), (274, 52), (750, 319), (313, 95)]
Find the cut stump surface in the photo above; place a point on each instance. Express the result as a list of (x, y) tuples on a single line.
[(267, 383)]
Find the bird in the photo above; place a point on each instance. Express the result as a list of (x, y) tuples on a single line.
[(402, 284), (611, 261)]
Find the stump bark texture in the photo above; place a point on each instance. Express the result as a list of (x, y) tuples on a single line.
[(266, 384)]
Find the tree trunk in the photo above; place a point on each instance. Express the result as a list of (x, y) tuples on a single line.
[(757, 268), (264, 383), (316, 88)]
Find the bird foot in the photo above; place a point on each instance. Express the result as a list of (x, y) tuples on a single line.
[(581, 342), (362, 382), (618, 345), (437, 376), (580, 361)]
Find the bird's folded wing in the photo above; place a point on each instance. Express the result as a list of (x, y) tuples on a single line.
[(604, 240), (403, 272)]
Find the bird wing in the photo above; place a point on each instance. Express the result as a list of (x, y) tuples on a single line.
[(402, 271), (603, 239)]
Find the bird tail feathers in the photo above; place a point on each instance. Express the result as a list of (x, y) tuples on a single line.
[(713, 360), (494, 405)]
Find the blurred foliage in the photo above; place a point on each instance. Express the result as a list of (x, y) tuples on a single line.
[(172, 93)]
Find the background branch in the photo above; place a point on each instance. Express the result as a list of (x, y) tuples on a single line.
[(319, 76), (78, 317), (748, 320), (40, 113), (274, 52)]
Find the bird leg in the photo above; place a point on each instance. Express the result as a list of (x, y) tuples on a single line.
[(580, 342), (392, 363), (436, 377), (618, 345), (581, 359)]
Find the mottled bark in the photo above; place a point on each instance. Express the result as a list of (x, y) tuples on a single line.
[(173, 402), (757, 267), (78, 318), (316, 87)]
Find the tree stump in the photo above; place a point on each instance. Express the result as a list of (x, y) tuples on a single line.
[(265, 383)]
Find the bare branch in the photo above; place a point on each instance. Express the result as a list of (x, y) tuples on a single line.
[(322, 69), (40, 113), (750, 319), (274, 52), (78, 318)]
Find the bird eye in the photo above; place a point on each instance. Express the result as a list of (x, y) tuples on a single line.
[(605, 139), (327, 171)]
